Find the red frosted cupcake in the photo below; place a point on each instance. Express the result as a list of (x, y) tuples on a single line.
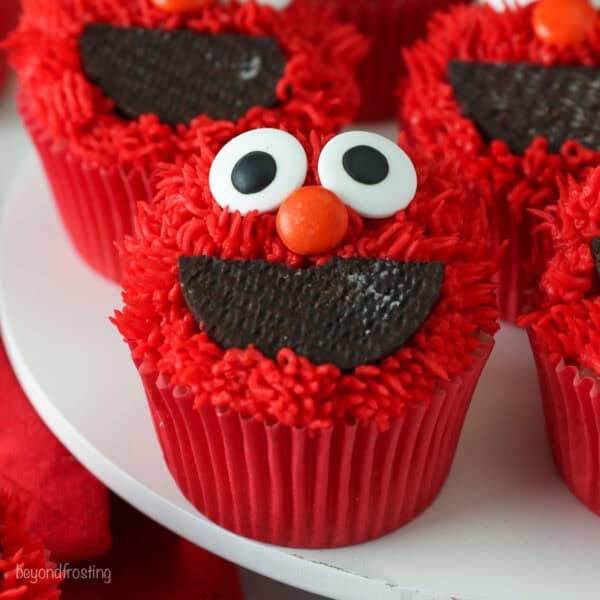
[(565, 336), (9, 10), (309, 352), (390, 25), (508, 96), (110, 89), (26, 572)]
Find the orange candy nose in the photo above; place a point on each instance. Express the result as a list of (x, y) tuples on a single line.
[(312, 220), (564, 22), (182, 6)]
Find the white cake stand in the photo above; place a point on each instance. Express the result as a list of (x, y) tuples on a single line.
[(500, 4), (504, 527)]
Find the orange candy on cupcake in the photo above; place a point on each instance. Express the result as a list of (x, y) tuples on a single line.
[(182, 6), (564, 22)]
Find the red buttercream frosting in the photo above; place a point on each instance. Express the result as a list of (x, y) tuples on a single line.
[(433, 119), (26, 572), (318, 88), (441, 223), (567, 323)]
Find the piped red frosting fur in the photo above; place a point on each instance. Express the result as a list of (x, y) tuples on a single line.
[(567, 323), (318, 87), (432, 117), (440, 224)]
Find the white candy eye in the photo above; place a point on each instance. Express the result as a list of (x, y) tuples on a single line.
[(369, 173), (258, 170), (276, 3), (279, 4)]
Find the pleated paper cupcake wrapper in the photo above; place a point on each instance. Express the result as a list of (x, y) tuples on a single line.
[(334, 487), (97, 204), (390, 26), (572, 410)]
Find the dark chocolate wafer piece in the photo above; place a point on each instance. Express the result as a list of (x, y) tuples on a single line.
[(596, 253), (181, 74), (347, 312), (519, 102)]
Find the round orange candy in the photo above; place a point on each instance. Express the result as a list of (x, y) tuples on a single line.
[(182, 6), (312, 220), (564, 22)]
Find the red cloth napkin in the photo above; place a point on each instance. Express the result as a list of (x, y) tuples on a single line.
[(149, 562), (71, 511)]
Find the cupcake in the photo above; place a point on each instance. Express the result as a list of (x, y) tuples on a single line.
[(565, 337), (309, 317), (390, 25), (111, 89), (509, 96), (8, 18), (25, 568)]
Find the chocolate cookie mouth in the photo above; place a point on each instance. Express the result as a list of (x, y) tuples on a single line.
[(181, 74), (349, 312), (518, 102), (595, 246)]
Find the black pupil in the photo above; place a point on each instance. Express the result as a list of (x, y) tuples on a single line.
[(366, 165), (253, 172)]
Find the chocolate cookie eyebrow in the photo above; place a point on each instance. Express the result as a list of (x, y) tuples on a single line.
[(181, 74), (517, 102), (349, 312)]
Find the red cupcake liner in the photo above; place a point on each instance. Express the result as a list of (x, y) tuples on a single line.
[(97, 204), (572, 410), (390, 25), (337, 486)]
